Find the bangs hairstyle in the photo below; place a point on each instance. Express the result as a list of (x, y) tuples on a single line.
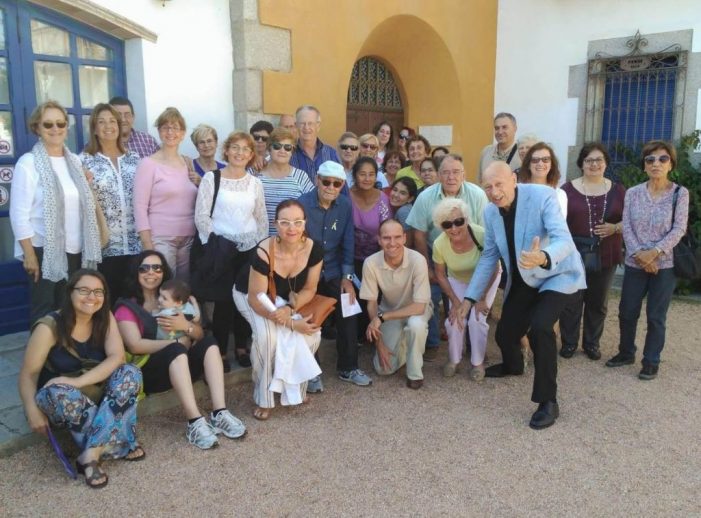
[(65, 323), (201, 132), (378, 127), (169, 116), (410, 185), (553, 176), (134, 289), (233, 137), (588, 148), (389, 156), (362, 161), (655, 145), (443, 210), (38, 112), (179, 290), (93, 146), (419, 138), (286, 204)]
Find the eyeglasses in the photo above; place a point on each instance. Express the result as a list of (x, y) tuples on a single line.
[(239, 149), (155, 268), (286, 223), (336, 183), (169, 129), (593, 161), (307, 124), (277, 146), (662, 159), (260, 138), (447, 225), (346, 147), (50, 124), (367, 145), (207, 142), (544, 159), (98, 292), (403, 137)]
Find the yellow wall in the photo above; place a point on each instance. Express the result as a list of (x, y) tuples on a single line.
[(442, 54)]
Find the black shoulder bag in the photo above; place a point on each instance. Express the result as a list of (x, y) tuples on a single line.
[(197, 250), (686, 252)]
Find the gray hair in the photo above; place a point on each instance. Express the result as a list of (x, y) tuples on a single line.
[(501, 115), (308, 107), (201, 131), (528, 137), (347, 134), (442, 211)]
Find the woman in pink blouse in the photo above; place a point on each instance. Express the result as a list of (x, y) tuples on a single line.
[(650, 233), (164, 197)]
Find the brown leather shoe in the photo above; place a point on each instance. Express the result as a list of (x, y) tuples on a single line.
[(414, 384)]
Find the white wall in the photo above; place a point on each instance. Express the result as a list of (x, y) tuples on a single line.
[(538, 40), (189, 67)]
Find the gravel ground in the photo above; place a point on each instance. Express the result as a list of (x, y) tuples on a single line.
[(621, 447)]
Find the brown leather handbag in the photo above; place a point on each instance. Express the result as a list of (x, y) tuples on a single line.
[(320, 307)]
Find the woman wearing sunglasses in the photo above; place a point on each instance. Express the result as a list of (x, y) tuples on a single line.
[(540, 166), (652, 226), (369, 146), (113, 169), (456, 252), (595, 211), (297, 262), (73, 376), (281, 181), (175, 363), (239, 219), (404, 135), (52, 211)]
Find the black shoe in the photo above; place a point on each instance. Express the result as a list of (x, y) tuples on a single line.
[(620, 360), (545, 415), (328, 333), (648, 372), (567, 351), (243, 359), (593, 354), (499, 371), (431, 354), (227, 365)]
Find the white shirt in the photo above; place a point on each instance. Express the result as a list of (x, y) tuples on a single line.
[(27, 205)]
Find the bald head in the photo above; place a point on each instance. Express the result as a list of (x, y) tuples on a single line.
[(499, 183), (288, 122)]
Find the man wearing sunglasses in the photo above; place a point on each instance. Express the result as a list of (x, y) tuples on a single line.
[(310, 152), (505, 149), (451, 184), (399, 322), (138, 142), (330, 223), (260, 131), (541, 281)]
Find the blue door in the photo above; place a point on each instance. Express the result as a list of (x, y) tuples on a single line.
[(44, 55)]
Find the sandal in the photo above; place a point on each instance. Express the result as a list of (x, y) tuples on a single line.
[(135, 455), (97, 474), (262, 414)]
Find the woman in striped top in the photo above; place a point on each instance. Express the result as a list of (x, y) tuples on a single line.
[(280, 180)]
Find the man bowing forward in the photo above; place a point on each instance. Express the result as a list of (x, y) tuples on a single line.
[(524, 226)]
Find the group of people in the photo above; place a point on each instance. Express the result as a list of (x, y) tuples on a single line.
[(114, 238)]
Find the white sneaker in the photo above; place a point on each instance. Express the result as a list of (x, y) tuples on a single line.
[(201, 434), (225, 422)]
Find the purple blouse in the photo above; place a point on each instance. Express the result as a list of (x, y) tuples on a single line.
[(367, 225), (578, 216), (647, 223)]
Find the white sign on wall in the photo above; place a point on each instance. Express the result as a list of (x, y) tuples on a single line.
[(438, 135)]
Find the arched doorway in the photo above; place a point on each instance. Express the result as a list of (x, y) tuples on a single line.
[(373, 96)]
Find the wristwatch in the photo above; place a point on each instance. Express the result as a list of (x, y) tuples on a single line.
[(381, 315), (348, 277)]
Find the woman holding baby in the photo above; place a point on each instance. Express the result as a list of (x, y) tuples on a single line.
[(173, 362), (297, 262)]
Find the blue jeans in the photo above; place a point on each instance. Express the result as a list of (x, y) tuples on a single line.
[(434, 335), (637, 283)]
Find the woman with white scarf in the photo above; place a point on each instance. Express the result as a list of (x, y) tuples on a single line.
[(52, 211)]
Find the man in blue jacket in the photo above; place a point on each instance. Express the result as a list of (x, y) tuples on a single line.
[(524, 226)]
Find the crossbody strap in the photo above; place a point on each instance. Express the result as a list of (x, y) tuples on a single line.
[(513, 152), (217, 182), (474, 239)]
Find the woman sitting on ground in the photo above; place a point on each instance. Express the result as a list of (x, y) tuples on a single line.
[(174, 363), (297, 267), (71, 352), (456, 252)]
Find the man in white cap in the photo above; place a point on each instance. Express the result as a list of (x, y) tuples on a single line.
[(330, 223)]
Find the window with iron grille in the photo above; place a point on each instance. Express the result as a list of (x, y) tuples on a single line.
[(634, 98), (372, 86)]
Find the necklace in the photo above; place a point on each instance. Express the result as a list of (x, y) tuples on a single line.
[(594, 221)]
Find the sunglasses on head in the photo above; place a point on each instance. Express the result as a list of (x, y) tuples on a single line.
[(346, 147), (260, 138), (277, 146), (663, 159), (336, 183), (155, 268), (447, 225), (49, 124)]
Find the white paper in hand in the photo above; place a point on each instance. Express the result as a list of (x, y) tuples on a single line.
[(347, 308)]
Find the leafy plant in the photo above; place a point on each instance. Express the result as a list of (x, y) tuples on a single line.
[(685, 174)]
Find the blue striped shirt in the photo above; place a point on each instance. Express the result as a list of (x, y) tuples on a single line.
[(310, 165), (277, 190)]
